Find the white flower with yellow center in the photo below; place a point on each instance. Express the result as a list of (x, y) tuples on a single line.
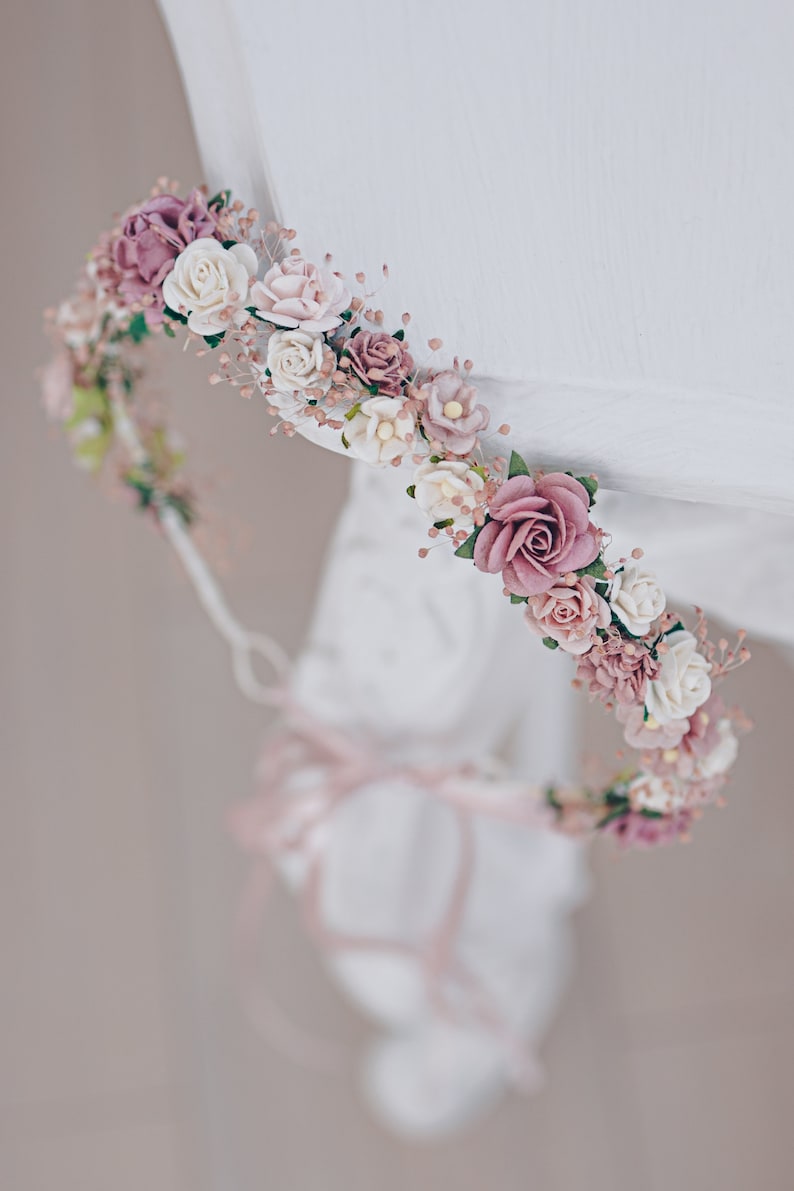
[(448, 490), (381, 430)]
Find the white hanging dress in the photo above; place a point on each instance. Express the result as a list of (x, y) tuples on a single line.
[(593, 202)]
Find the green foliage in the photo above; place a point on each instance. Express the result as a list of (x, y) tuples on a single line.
[(517, 466), (591, 487), (466, 549), (597, 569), (172, 314), (138, 330)]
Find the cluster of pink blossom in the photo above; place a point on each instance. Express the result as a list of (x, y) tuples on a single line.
[(298, 335)]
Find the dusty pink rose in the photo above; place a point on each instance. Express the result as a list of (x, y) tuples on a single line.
[(295, 293), (647, 734), (569, 615), (635, 830), (380, 359), (152, 238), (451, 415), (539, 530), (617, 670)]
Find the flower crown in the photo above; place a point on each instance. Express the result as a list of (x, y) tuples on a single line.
[(316, 352)]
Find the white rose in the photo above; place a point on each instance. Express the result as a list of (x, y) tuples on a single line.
[(381, 430), (651, 793), (636, 598), (81, 317), (683, 681), (437, 484), (724, 753), (207, 279), (295, 360)]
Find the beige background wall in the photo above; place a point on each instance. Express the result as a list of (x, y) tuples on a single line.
[(125, 1062)]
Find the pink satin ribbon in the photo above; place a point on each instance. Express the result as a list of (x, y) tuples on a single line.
[(283, 820)]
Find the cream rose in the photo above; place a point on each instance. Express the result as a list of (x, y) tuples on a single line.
[(382, 430), (437, 485), (295, 361), (723, 755), (636, 598), (683, 681), (208, 279), (651, 793)]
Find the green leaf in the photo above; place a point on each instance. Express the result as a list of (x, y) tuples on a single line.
[(214, 340), (517, 466), (411, 490), (597, 569), (481, 472), (169, 331), (550, 643), (229, 243), (373, 390), (679, 624), (346, 315), (590, 485), (647, 813), (138, 330), (514, 599), (618, 813), (172, 314), (620, 626), (466, 549), (181, 505), (552, 800), (444, 524), (435, 458), (399, 335), (87, 403), (91, 451), (221, 199), (645, 715)]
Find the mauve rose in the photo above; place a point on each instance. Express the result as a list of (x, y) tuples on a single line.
[(569, 615), (617, 669), (635, 830), (380, 359), (539, 530), (152, 238), (451, 415)]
